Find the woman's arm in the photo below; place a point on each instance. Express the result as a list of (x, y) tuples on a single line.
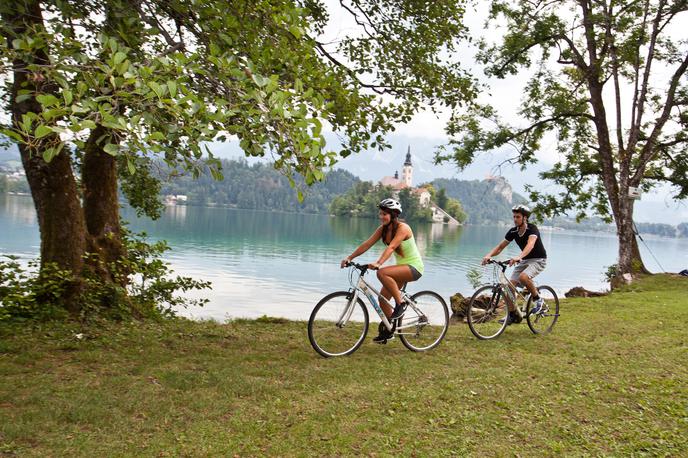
[(365, 246)]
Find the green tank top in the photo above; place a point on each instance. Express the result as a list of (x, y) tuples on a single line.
[(411, 255)]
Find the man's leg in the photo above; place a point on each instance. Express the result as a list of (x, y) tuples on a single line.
[(525, 280)]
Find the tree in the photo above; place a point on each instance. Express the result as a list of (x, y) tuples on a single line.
[(608, 84), (103, 88), (442, 198)]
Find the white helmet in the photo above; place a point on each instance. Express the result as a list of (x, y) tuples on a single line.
[(522, 209), (390, 205)]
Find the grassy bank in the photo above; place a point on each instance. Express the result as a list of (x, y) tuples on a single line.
[(611, 380)]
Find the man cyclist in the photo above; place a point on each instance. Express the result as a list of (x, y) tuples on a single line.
[(531, 261)]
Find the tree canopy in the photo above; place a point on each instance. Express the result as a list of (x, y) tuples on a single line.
[(607, 84), (96, 91)]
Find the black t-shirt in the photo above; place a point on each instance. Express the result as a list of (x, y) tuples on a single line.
[(538, 250)]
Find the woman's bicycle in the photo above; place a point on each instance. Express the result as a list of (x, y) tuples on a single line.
[(488, 313), (339, 322)]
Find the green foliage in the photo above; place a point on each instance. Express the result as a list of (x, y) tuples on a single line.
[(475, 276), (150, 291), (151, 286), (161, 79), (576, 54), (26, 294), (363, 198), (259, 186), (610, 273)]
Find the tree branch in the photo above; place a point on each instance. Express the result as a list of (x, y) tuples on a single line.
[(649, 148)]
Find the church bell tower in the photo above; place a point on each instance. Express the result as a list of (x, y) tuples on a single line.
[(407, 171)]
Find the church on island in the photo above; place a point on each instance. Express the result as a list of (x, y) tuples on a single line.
[(406, 181)]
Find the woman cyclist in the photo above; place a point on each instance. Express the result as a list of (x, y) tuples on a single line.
[(398, 237)]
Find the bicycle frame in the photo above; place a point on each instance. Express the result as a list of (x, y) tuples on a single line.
[(506, 283), (365, 289)]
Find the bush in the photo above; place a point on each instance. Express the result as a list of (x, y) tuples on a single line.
[(144, 286), (610, 273)]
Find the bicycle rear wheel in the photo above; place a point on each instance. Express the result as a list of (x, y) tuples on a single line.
[(424, 328), (329, 334), (543, 321), (487, 312)]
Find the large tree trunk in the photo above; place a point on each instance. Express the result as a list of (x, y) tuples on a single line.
[(101, 209), (630, 262), (53, 187)]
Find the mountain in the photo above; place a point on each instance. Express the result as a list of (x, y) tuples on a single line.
[(487, 201)]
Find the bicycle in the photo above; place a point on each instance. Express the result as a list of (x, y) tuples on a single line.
[(488, 313), (339, 323)]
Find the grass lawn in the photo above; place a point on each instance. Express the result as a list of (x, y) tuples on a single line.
[(611, 380)]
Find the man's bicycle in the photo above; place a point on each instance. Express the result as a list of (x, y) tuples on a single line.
[(339, 322), (488, 313)]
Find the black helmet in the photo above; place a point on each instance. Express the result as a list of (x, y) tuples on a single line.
[(522, 209), (390, 205)]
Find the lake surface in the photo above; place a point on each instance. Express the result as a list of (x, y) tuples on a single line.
[(281, 264)]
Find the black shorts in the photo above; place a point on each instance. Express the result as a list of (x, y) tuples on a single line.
[(414, 273)]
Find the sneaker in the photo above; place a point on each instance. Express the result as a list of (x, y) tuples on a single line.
[(383, 334), (399, 310), (513, 317), (537, 306)]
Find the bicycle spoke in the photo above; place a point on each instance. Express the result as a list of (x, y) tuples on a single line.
[(331, 337), (424, 325), (544, 320), (486, 313)]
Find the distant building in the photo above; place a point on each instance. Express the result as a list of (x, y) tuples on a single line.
[(424, 197), (178, 199), (406, 180)]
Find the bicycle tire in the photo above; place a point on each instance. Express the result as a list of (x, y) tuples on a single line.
[(323, 333), (535, 321), (484, 323), (435, 316)]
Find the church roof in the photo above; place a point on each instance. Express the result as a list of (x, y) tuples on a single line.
[(408, 157)]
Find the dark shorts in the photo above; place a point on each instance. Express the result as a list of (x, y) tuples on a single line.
[(414, 273)]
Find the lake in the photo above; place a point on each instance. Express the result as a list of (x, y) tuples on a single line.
[(281, 264)]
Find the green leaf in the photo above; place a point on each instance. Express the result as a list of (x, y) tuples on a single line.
[(259, 80), (48, 154), (111, 149), (47, 100), (131, 167), (172, 86), (51, 152), (68, 96), (296, 31), (119, 57), (12, 134), (159, 91), (23, 97), (42, 131)]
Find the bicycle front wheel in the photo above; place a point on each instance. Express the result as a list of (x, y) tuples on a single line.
[(487, 312), (544, 320), (336, 326), (423, 327)]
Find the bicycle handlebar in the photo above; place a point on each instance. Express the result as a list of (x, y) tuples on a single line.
[(362, 267), (502, 264)]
